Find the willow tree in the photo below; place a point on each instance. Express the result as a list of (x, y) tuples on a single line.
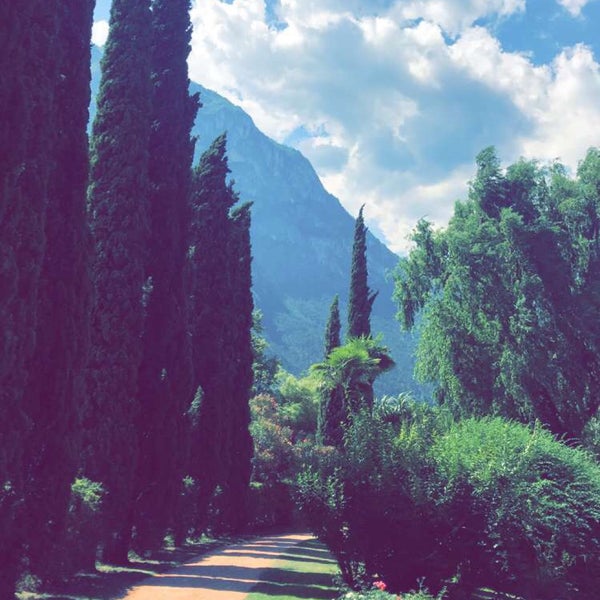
[(509, 296), (118, 212)]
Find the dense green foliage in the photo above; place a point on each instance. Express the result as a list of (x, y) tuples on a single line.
[(478, 502), (118, 205), (221, 336), (347, 377), (165, 381), (509, 295), (44, 284), (264, 365), (55, 394), (238, 373)]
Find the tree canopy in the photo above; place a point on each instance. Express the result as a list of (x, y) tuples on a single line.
[(508, 295)]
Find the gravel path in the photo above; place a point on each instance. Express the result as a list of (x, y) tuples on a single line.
[(227, 574)]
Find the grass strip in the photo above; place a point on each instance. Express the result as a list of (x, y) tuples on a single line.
[(308, 572)]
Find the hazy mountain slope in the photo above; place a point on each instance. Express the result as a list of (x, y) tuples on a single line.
[(301, 239), (301, 242)]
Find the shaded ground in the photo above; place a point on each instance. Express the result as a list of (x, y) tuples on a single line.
[(231, 573), (111, 582)]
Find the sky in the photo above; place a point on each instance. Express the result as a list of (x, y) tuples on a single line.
[(391, 100)]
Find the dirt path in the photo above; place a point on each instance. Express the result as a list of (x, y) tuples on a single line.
[(228, 574)]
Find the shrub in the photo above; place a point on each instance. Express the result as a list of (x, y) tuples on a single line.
[(527, 505), (467, 504)]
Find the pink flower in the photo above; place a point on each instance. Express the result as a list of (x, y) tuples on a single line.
[(380, 585)]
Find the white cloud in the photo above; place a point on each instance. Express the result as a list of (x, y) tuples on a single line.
[(560, 100), (567, 120), (573, 6), (455, 15), (99, 33), (394, 112), (512, 74)]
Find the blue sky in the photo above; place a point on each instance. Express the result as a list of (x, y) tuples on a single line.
[(392, 99)]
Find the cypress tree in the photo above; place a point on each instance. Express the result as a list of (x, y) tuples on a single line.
[(55, 393), (29, 66), (331, 410), (212, 200), (361, 298), (165, 378), (119, 218), (222, 341), (333, 328), (239, 449)]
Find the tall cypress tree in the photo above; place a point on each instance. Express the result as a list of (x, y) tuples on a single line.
[(361, 298), (333, 328), (55, 393), (222, 341), (30, 55), (119, 218), (212, 200), (165, 378), (331, 406), (239, 446)]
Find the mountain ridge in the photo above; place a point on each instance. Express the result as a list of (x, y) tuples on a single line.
[(301, 242)]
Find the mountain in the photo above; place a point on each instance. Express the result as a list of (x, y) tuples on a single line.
[(301, 243)]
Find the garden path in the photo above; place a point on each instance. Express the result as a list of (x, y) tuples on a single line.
[(227, 574)]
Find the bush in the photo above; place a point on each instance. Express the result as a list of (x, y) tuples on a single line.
[(479, 502), (270, 499), (528, 507)]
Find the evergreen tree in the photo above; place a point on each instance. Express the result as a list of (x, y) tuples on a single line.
[(333, 328), (165, 377), (33, 47), (119, 218), (55, 392), (222, 341), (331, 405), (212, 200), (239, 449), (361, 298)]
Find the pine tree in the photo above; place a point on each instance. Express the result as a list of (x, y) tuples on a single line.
[(55, 392), (119, 218), (165, 378), (361, 298), (239, 449)]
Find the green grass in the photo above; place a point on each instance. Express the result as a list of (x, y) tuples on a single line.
[(305, 572)]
